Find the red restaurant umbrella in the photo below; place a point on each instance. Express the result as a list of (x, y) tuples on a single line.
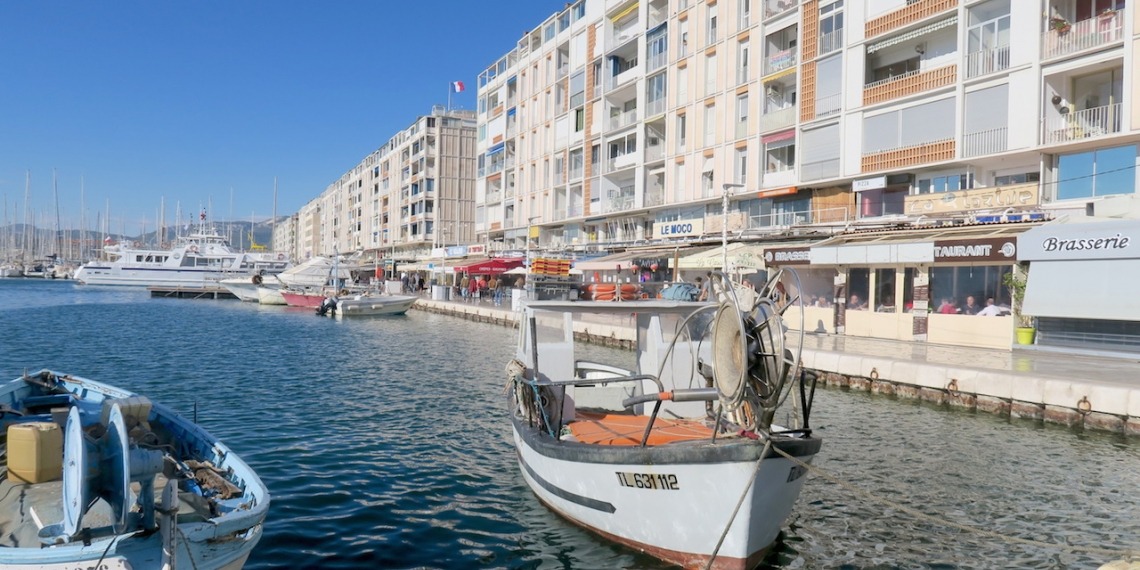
[(496, 266)]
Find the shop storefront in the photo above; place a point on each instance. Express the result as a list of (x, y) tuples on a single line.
[(1082, 282), (929, 285)]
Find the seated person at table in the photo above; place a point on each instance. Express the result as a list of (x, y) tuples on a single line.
[(990, 310), (972, 307), (947, 307), (856, 304)]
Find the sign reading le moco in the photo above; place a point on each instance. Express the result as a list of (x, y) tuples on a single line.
[(966, 250), (680, 228)]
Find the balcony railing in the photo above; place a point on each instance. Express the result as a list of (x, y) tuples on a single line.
[(656, 61), (576, 173), (934, 151), (828, 105), (615, 81), (990, 141), (1065, 38), (654, 108), (819, 169), (778, 119), (623, 119), (1085, 124), (654, 197), (780, 60), (830, 42), (987, 61), (777, 7), (909, 83), (654, 152)]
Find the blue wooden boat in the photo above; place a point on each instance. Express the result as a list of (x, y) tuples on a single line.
[(99, 477)]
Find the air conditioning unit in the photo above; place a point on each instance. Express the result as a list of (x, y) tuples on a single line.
[(773, 90)]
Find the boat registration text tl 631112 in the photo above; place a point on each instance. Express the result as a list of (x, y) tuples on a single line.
[(662, 481)]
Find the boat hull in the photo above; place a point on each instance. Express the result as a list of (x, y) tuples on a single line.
[(296, 299), (367, 306), (242, 288), (672, 502), (270, 296)]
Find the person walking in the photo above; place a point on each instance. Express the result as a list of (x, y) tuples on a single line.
[(464, 285)]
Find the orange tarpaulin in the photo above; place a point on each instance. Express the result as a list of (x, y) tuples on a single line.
[(616, 429)]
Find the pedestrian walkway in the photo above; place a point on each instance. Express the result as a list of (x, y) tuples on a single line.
[(1096, 392)]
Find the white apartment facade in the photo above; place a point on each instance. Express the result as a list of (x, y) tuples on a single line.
[(412, 194), (614, 117)]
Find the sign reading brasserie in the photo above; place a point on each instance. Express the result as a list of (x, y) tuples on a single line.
[(787, 255), (1106, 240), (969, 250)]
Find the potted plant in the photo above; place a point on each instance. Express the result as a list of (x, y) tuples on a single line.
[(1015, 282), (1060, 24)]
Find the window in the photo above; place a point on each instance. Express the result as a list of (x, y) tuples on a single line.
[(1086, 9), (745, 15), (741, 112), (881, 202), (1022, 178), (858, 288), (712, 13), (679, 182), (1097, 173), (682, 86), (954, 285), (987, 38), (683, 39), (946, 183), (710, 125), (780, 155), (884, 300), (681, 130), (710, 74), (579, 120), (830, 27), (740, 166), (742, 62)]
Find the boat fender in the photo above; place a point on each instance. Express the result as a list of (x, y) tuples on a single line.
[(257, 279), (280, 257), (193, 249)]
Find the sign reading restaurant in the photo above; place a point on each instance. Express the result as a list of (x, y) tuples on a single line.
[(972, 250), (787, 256)]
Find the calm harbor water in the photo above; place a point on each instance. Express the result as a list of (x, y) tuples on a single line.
[(385, 445)]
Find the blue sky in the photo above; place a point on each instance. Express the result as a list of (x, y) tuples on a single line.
[(205, 102)]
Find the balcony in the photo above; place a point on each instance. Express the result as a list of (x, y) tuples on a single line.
[(654, 108), (654, 152), (912, 12), (981, 143), (909, 83), (778, 119), (780, 61), (987, 61), (615, 81), (1064, 38), (621, 162), (1085, 124), (918, 154), (774, 8), (623, 119), (830, 42), (656, 61)]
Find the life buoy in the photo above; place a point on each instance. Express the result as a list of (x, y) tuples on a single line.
[(193, 249), (257, 280), (280, 257)]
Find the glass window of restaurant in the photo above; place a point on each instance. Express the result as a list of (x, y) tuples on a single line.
[(858, 288), (817, 286), (950, 287)]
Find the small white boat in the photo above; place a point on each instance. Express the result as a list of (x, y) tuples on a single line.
[(244, 288), (270, 295), (126, 483), (677, 456), (372, 304)]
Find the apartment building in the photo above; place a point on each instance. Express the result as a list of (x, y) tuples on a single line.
[(614, 116), (412, 194)]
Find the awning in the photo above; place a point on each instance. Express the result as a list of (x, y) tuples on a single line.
[(779, 74), (918, 245), (496, 149), (620, 261), (741, 256), (919, 32), (1100, 289), (492, 266), (779, 137)]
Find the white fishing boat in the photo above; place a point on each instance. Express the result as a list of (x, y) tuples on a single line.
[(675, 453), (99, 477), (198, 260), (269, 293), (373, 304), (245, 288), (315, 273)]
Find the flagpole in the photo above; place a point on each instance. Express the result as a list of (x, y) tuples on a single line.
[(449, 96)]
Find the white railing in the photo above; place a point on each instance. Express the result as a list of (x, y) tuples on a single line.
[(819, 169), (828, 105), (781, 118), (987, 61), (887, 80), (622, 119), (494, 197), (654, 152), (985, 142), (799, 217), (654, 108), (624, 77), (1065, 38), (742, 75), (1088, 123), (576, 173), (830, 41), (621, 161), (656, 61), (654, 198)]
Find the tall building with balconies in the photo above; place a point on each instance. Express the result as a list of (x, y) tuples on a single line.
[(615, 117), (413, 193)]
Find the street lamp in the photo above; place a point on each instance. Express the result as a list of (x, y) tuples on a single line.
[(727, 187), (526, 276)]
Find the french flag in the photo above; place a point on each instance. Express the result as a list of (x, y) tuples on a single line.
[(457, 86)]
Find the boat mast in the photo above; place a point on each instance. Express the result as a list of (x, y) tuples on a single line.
[(56, 249), (27, 250), (273, 222)]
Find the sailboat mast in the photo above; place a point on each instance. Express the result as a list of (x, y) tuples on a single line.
[(273, 222), (24, 231), (55, 197)]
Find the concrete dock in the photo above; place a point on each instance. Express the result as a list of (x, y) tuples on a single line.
[(1094, 392)]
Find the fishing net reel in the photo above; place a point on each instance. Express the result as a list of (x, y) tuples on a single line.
[(752, 365)]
